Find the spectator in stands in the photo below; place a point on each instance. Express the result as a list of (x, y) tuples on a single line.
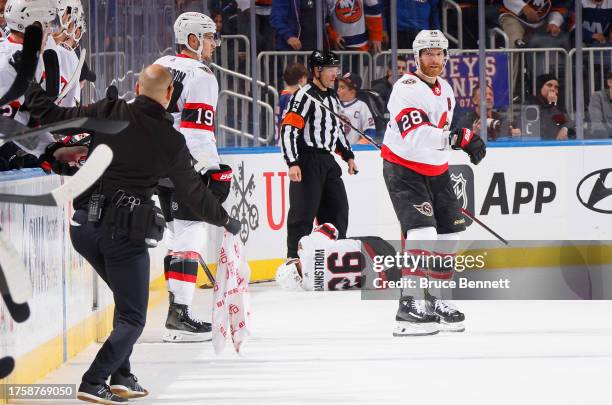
[(412, 17), (533, 24), (554, 122), (356, 25), (264, 31), (384, 85), (229, 15), (498, 124), (295, 76), (295, 25), (2, 22), (354, 110), (596, 21), (600, 111)]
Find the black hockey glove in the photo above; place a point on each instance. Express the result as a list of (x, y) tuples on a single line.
[(15, 60), (232, 225), (219, 181), (471, 143)]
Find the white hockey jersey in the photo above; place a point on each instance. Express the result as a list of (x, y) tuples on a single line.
[(359, 115), (329, 264), (357, 21), (420, 115), (68, 63), (196, 107)]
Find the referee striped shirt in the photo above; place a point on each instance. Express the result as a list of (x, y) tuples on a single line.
[(308, 126)]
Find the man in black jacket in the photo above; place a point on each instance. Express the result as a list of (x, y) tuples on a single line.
[(147, 150)]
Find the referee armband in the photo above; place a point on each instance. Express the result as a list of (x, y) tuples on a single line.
[(294, 120)]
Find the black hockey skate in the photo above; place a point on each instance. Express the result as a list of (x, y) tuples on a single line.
[(183, 326), (414, 318), (450, 318)]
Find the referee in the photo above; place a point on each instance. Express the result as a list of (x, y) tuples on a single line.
[(309, 136)]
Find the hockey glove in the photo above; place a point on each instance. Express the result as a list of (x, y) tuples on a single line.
[(232, 225), (50, 164), (15, 60), (471, 143), (219, 181)]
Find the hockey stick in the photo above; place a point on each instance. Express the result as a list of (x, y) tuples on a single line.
[(343, 119), (52, 72), (206, 270), (479, 222), (20, 312), (74, 80), (27, 67), (16, 277), (7, 364), (94, 167), (72, 126), (463, 210)]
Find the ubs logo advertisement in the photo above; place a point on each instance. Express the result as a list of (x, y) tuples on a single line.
[(595, 191), (244, 210), (462, 180)]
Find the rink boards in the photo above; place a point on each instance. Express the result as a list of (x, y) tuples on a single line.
[(524, 193)]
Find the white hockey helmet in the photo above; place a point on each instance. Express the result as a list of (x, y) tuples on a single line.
[(197, 24), (74, 8), (427, 39), (19, 14), (328, 230), (288, 276)]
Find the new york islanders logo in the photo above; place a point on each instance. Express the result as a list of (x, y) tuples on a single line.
[(349, 11)]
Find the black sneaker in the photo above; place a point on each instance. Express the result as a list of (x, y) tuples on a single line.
[(414, 318), (183, 326), (98, 394), (127, 387), (451, 319)]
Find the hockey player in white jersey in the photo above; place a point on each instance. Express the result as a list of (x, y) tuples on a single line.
[(415, 150), (19, 14), (327, 263), (196, 93), (354, 110)]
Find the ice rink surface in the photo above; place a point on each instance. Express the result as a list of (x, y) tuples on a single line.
[(332, 347)]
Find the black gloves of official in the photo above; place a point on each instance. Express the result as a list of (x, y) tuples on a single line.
[(232, 225), (472, 144)]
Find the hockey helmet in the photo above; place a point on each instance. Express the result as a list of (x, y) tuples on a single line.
[(74, 8), (197, 24), (427, 39), (322, 59), (19, 14), (288, 276)]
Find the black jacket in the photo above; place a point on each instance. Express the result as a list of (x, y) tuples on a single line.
[(147, 150)]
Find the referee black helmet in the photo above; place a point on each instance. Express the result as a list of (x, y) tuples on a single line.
[(322, 59)]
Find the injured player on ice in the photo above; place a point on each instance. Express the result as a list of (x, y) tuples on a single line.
[(327, 263)]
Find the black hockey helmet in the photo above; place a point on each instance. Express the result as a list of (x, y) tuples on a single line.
[(322, 59)]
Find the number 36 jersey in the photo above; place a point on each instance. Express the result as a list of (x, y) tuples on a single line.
[(419, 119), (194, 115), (329, 264)]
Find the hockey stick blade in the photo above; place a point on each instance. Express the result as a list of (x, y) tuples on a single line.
[(7, 364), (52, 72), (29, 60), (74, 80), (72, 126), (87, 175), (16, 277)]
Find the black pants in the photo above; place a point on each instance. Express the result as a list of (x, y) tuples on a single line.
[(124, 267), (320, 194)]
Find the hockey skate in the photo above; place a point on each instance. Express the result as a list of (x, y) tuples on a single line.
[(450, 318), (414, 318), (183, 326)]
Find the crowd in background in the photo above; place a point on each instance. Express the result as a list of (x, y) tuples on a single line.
[(364, 25)]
